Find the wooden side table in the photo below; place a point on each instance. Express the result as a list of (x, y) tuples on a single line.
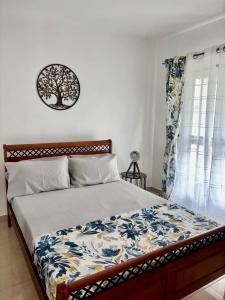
[(137, 178)]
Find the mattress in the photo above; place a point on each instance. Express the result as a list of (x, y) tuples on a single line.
[(50, 211)]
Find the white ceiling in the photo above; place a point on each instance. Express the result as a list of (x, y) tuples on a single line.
[(145, 18)]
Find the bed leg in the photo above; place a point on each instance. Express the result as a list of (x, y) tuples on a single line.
[(8, 217), (9, 221)]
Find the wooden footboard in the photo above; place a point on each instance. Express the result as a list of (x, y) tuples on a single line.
[(168, 273)]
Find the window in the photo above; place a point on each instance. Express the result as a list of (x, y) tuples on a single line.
[(200, 167)]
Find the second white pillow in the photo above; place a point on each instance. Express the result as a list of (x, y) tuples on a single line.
[(90, 170)]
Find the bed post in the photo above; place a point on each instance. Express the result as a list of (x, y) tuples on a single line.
[(6, 187), (110, 146), (62, 291)]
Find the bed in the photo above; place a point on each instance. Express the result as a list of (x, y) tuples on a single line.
[(171, 271)]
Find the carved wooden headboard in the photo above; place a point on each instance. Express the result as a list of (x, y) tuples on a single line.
[(19, 152)]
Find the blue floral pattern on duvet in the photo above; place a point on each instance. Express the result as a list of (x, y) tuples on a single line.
[(71, 254)]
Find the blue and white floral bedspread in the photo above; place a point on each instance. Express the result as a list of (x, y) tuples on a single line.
[(71, 254)]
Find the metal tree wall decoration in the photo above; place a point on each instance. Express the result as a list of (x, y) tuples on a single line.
[(58, 86)]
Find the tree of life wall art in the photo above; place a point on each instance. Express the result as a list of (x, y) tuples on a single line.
[(58, 86)]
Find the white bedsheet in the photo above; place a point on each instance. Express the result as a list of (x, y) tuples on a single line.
[(50, 211)]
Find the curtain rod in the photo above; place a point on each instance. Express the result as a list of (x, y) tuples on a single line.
[(196, 55)]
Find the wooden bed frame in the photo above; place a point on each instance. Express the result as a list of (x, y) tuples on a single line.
[(171, 272)]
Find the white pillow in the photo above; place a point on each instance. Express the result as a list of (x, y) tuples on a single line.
[(34, 176), (89, 170)]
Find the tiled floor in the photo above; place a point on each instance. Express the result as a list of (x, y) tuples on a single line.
[(16, 282), (15, 279), (213, 291)]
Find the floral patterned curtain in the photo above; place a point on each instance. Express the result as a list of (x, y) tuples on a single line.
[(174, 90)]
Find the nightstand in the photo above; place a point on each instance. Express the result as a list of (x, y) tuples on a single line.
[(138, 179)]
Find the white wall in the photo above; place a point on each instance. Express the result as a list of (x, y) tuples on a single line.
[(181, 44), (115, 74)]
